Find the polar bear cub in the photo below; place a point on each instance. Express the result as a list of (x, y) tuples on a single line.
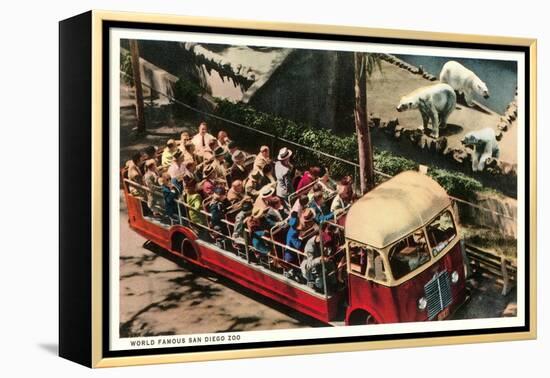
[(463, 81), (435, 103), (484, 144)]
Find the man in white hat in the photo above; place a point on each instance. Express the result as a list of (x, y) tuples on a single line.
[(264, 195), (283, 173)]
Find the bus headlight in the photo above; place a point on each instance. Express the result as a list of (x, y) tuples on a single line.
[(422, 303), (454, 277)]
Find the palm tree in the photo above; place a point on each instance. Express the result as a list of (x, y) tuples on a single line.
[(134, 51), (365, 64)]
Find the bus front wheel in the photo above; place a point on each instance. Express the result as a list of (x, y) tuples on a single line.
[(361, 317)]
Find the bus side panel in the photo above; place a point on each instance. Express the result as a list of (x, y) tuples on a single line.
[(371, 297), (278, 290), (148, 230)]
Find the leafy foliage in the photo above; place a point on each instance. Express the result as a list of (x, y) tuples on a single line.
[(187, 92), (126, 67)]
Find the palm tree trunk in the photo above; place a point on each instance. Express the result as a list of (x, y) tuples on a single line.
[(134, 50), (366, 168)]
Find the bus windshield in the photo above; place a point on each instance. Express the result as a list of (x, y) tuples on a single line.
[(441, 231), (408, 254)]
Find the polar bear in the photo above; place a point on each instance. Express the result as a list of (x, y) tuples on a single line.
[(484, 144), (435, 103), (463, 81)]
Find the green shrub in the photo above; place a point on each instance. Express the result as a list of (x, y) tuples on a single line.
[(391, 165), (187, 92), (455, 183)]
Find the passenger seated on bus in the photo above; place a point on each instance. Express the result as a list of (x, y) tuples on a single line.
[(264, 194), (170, 193), (272, 215), (232, 147), (134, 172), (150, 180), (208, 184), (193, 200), (236, 194), (202, 139), (192, 170), (218, 209), (168, 153), (223, 140), (322, 185), (189, 153), (262, 159), (238, 171), (256, 229), (300, 204), (252, 185), (184, 138), (297, 224), (177, 170), (309, 176), (150, 152), (240, 219), (280, 206), (316, 266), (317, 187), (341, 201), (267, 176), (219, 164), (318, 207)]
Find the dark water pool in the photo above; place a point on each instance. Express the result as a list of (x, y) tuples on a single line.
[(500, 76)]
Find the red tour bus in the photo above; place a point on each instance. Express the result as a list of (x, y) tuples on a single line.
[(395, 254)]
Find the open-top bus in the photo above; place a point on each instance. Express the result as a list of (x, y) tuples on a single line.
[(395, 257)]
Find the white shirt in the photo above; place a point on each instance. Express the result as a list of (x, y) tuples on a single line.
[(201, 142)]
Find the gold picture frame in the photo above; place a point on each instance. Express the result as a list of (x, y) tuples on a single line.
[(84, 94)]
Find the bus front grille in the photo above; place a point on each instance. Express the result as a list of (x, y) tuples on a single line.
[(438, 294)]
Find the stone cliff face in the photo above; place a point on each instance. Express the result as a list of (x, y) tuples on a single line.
[(310, 86)]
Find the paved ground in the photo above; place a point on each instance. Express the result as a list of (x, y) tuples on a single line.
[(160, 296)]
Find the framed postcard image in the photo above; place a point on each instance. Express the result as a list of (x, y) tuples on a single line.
[(260, 189)]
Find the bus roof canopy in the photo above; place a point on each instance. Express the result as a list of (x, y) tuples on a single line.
[(395, 208)]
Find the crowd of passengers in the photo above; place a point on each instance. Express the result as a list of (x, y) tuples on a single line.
[(217, 181)]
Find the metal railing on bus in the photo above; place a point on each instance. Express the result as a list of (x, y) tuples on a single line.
[(271, 261)]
